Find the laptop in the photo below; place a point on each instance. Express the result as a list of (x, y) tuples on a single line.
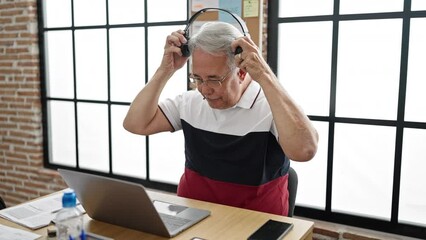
[(127, 204)]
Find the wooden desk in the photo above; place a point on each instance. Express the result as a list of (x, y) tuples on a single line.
[(224, 223)]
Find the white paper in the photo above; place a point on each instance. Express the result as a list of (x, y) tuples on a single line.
[(35, 214), (9, 233)]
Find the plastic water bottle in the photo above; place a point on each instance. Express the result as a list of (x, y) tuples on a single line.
[(69, 220)]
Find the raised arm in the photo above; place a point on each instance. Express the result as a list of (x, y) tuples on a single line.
[(144, 116), (297, 136)]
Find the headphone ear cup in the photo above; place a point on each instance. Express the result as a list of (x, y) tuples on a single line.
[(238, 50), (185, 50)]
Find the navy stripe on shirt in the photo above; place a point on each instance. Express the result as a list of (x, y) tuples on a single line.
[(252, 159)]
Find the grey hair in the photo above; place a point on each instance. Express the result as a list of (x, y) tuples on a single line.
[(215, 38)]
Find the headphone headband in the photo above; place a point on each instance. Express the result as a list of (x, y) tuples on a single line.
[(185, 48)]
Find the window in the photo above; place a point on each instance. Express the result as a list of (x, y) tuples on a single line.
[(97, 56), (357, 69)]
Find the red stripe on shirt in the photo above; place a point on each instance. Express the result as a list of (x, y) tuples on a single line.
[(271, 197)]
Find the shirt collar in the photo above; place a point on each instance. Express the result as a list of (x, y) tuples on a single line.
[(249, 96)]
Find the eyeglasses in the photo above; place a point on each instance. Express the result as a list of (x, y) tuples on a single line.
[(213, 82)]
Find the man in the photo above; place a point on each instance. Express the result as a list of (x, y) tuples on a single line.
[(241, 127)]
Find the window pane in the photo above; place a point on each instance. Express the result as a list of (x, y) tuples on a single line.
[(93, 136), (128, 150), (91, 64), (370, 6), (418, 5), (126, 11), (368, 69), (297, 8), (91, 12), (416, 73), (166, 10), (62, 133), (156, 40), (304, 64), (167, 157), (412, 203), (57, 13), (313, 174), (127, 64), (363, 170), (59, 64)]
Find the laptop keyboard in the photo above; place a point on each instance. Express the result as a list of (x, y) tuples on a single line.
[(173, 222)]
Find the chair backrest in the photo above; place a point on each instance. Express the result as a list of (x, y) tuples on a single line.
[(2, 204), (292, 190)]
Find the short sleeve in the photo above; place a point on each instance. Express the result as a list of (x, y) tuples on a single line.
[(171, 109)]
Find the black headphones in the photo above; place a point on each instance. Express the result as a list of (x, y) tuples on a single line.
[(185, 48)]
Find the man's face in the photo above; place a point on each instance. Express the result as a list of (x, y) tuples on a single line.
[(206, 66)]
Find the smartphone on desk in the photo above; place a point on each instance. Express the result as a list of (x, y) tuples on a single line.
[(271, 230)]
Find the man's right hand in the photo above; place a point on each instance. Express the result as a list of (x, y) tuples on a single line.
[(173, 58)]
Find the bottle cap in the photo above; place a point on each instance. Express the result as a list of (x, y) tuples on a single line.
[(69, 199), (51, 232)]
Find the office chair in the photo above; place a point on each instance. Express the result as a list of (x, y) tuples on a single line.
[(292, 190), (2, 204)]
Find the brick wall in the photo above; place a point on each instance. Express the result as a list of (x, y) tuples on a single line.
[(22, 176)]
